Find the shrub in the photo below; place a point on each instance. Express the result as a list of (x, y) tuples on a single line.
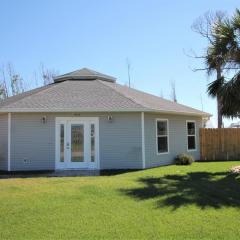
[(184, 159)]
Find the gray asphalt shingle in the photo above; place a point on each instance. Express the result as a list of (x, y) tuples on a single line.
[(91, 95)]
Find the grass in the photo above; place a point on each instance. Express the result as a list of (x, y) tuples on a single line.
[(201, 201)]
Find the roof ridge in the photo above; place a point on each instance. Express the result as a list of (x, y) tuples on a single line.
[(119, 93)]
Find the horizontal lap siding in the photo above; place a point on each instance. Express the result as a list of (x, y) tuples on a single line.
[(119, 140), (33, 141), (4, 142), (177, 139)]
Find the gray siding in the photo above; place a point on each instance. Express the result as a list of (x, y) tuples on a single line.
[(33, 143), (4, 142), (120, 141), (177, 139)]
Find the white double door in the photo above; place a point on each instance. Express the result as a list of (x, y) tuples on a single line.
[(77, 143)]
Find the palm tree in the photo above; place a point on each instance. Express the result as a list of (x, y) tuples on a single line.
[(227, 46), (214, 60)]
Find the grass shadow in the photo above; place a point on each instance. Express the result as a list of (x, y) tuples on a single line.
[(204, 189)]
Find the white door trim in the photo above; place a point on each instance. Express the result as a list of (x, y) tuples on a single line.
[(64, 120)]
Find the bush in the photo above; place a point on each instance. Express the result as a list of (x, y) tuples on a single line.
[(184, 159)]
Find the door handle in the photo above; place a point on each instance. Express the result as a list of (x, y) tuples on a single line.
[(67, 145)]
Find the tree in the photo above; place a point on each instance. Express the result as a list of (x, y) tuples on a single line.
[(213, 60), (16, 81), (3, 94), (173, 92), (3, 84), (47, 75), (11, 83), (228, 35)]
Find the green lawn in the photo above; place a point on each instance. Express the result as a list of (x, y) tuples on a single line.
[(201, 201)]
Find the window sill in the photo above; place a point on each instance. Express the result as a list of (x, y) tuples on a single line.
[(163, 153), (191, 150)]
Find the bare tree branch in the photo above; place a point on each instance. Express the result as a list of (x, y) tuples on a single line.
[(203, 25), (193, 55), (47, 75), (206, 69), (16, 81), (173, 94)]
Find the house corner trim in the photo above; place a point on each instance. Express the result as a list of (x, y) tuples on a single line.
[(9, 141), (143, 141)]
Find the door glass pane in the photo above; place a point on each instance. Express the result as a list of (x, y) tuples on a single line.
[(77, 143), (92, 143), (62, 143)]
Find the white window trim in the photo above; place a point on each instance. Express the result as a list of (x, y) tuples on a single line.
[(191, 135), (157, 120)]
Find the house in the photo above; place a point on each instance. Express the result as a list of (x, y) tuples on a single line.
[(85, 120)]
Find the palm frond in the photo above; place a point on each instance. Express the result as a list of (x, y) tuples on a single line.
[(230, 97), (215, 87)]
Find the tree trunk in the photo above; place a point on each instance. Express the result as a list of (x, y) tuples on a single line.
[(219, 104), (219, 113)]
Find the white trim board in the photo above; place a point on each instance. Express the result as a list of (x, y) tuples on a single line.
[(9, 141), (143, 141)]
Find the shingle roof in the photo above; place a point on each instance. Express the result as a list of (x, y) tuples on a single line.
[(152, 102), (85, 74), (91, 95)]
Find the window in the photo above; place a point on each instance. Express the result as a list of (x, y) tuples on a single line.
[(162, 136), (62, 143), (191, 135)]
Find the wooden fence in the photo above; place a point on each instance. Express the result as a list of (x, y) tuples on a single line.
[(220, 144)]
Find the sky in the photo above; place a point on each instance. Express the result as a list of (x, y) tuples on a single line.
[(154, 35)]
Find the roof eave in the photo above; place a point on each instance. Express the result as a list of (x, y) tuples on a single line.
[(39, 110), (207, 115)]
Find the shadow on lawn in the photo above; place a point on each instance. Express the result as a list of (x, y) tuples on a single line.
[(203, 189)]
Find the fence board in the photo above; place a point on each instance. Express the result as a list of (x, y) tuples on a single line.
[(220, 144)]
